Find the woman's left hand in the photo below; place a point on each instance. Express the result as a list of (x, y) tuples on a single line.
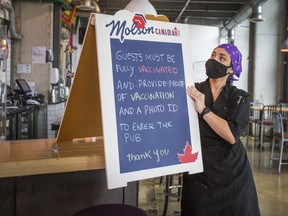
[(198, 97)]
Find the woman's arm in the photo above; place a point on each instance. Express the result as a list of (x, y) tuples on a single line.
[(219, 125)]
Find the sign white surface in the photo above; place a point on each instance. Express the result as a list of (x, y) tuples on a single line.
[(150, 126)]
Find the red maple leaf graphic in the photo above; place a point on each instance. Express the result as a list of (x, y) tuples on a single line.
[(188, 156)]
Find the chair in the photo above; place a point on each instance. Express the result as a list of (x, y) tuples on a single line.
[(114, 209), (283, 114), (282, 137), (283, 111), (254, 117), (265, 121)]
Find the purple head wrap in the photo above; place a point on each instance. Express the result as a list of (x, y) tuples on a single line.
[(236, 58)]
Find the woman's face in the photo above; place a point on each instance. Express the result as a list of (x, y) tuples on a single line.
[(220, 55)]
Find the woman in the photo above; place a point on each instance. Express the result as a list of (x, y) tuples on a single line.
[(226, 187)]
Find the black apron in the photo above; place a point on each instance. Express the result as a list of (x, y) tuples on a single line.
[(226, 187)]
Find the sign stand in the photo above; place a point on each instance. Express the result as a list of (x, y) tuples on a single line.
[(82, 117), (145, 116)]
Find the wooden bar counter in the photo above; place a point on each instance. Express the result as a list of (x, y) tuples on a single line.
[(29, 157), (41, 177)]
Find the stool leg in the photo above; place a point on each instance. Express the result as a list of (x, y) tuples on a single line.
[(261, 146), (280, 155), (160, 181), (272, 152), (179, 188), (166, 191)]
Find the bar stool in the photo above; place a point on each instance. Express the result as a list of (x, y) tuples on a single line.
[(282, 136), (266, 121), (169, 190), (112, 209), (254, 117)]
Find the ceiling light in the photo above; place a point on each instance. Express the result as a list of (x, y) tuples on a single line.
[(284, 46), (85, 5)]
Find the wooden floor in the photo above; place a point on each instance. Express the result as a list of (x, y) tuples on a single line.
[(272, 188)]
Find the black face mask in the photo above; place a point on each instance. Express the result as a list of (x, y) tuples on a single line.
[(215, 69)]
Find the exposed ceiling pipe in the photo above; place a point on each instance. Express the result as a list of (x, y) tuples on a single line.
[(182, 11), (7, 5), (201, 21), (242, 15), (231, 36)]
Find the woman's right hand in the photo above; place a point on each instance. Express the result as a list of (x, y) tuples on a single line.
[(198, 97)]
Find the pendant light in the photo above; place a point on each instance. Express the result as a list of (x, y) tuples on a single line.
[(257, 14), (284, 45)]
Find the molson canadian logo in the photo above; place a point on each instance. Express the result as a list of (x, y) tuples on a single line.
[(121, 29)]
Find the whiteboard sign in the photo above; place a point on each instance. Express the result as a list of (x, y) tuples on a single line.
[(150, 126)]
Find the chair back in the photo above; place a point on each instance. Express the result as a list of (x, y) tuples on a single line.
[(278, 132), (283, 113), (255, 114), (278, 129), (267, 113)]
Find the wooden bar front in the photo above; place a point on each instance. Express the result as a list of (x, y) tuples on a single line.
[(37, 179)]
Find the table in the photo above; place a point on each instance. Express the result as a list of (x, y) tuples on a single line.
[(261, 110)]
